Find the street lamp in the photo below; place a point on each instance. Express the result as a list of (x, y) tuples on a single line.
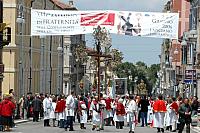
[(42, 72), (135, 87), (59, 77), (176, 54), (160, 74), (129, 81), (170, 75), (21, 20), (193, 39)]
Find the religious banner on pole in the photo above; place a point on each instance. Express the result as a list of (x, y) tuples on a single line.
[(144, 24)]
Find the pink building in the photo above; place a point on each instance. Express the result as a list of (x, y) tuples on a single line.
[(183, 8)]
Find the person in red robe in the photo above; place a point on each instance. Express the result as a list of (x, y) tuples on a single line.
[(174, 107), (109, 113), (60, 109), (120, 113), (159, 109)]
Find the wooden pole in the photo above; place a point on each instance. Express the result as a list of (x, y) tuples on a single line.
[(98, 68), (1, 47)]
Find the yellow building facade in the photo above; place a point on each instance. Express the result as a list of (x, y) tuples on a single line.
[(36, 51)]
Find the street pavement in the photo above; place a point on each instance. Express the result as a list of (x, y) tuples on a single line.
[(37, 127)]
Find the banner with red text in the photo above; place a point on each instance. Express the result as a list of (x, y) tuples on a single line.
[(146, 24)]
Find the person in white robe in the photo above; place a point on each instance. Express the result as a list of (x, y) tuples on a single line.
[(95, 111), (52, 113), (102, 110), (83, 113), (150, 112), (174, 107), (168, 116), (131, 114), (47, 105), (125, 103), (69, 111)]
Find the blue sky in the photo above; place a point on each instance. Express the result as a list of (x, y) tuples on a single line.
[(134, 48)]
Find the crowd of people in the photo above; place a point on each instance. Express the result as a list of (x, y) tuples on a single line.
[(62, 111)]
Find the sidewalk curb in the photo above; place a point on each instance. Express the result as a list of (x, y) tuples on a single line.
[(196, 129), (21, 121)]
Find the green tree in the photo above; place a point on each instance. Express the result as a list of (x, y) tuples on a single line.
[(139, 70)]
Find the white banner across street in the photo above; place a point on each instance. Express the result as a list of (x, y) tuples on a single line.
[(145, 24)]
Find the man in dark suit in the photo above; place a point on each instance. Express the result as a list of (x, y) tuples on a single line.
[(37, 105), (144, 103), (185, 116)]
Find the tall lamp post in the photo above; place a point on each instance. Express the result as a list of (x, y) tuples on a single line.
[(192, 40), (20, 20), (160, 75), (170, 76), (184, 60), (42, 72), (60, 66), (135, 85), (129, 81), (175, 87), (1, 44)]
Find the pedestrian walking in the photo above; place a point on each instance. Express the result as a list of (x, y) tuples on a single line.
[(150, 112), (168, 115), (159, 109), (102, 104), (185, 111), (109, 112), (95, 111), (82, 113), (42, 109), (138, 98), (7, 108), (143, 104), (120, 113), (131, 114), (60, 110), (195, 106), (174, 114), (52, 113), (21, 103), (37, 105), (69, 111), (47, 109)]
